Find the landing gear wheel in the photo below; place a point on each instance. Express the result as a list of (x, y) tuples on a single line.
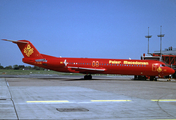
[(153, 78), (87, 77)]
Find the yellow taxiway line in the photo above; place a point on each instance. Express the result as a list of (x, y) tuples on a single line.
[(110, 100), (165, 100), (162, 119), (66, 101), (52, 101)]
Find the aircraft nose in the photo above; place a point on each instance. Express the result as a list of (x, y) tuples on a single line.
[(171, 71)]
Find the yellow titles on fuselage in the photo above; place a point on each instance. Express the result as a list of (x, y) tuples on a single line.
[(114, 62), (135, 62), (128, 62)]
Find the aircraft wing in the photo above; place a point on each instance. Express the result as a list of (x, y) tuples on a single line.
[(87, 70)]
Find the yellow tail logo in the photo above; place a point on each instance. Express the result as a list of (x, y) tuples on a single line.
[(28, 50)]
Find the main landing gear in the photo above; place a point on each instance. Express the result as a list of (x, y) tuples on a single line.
[(153, 78), (87, 77), (139, 77)]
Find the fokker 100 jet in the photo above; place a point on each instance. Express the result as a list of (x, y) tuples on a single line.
[(90, 66)]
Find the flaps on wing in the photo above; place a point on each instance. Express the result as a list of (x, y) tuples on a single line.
[(87, 70), (82, 68), (15, 41)]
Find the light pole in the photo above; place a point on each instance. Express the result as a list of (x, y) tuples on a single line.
[(161, 35), (149, 36)]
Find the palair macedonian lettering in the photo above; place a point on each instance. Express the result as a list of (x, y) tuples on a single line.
[(128, 62), (28, 50)]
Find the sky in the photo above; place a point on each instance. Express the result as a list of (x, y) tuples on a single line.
[(113, 29)]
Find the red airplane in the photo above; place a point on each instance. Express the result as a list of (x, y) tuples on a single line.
[(90, 66)]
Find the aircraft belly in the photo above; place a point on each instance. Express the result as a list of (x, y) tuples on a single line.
[(131, 71)]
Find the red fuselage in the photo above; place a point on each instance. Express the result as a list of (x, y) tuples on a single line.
[(103, 66)]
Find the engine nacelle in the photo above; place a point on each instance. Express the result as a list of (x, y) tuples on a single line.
[(55, 63)]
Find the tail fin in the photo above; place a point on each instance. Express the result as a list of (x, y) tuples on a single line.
[(27, 48)]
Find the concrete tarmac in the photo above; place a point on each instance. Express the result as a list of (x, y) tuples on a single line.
[(76, 99)]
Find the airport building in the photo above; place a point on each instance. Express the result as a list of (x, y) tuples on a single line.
[(168, 56)]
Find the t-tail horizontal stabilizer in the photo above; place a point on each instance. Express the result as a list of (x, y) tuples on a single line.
[(27, 48), (15, 41)]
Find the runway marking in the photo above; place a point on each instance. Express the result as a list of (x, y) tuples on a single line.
[(110, 100), (52, 101), (66, 101), (164, 100), (162, 119)]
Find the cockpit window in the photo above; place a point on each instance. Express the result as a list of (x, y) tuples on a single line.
[(162, 65)]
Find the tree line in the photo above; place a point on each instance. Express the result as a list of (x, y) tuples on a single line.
[(21, 67)]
